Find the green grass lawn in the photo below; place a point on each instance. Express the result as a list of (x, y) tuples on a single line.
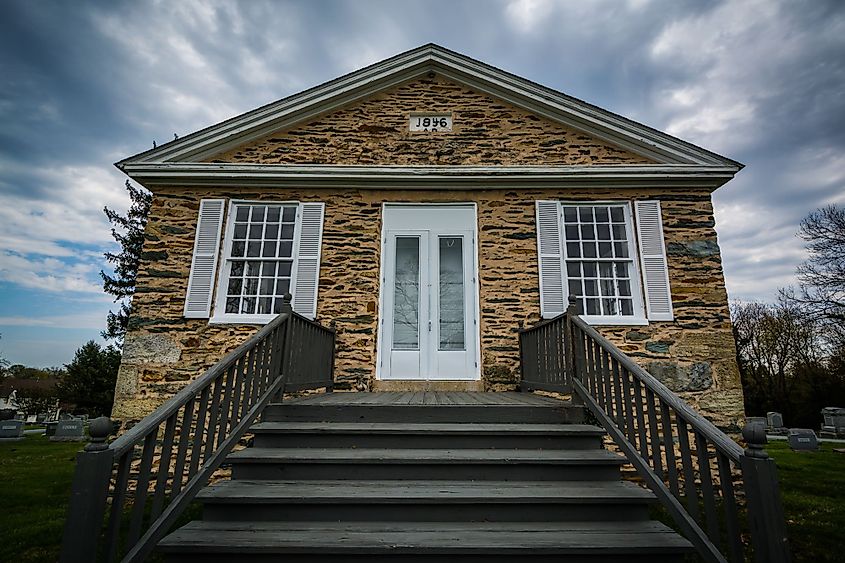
[(35, 477), (812, 488)]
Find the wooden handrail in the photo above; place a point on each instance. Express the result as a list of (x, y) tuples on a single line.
[(192, 432), (681, 456)]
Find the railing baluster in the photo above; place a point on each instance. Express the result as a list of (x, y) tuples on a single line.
[(182, 450), (163, 466), (639, 404), (607, 388), (689, 473), (121, 482), (729, 505), (141, 485), (214, 412), (707, 493), (629, 409), (199, 431), (246, 394), (654, 433), (669, 445), (226, 406), (621, 401)]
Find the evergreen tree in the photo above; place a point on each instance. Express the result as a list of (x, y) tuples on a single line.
[(90, 379), (128, 231)]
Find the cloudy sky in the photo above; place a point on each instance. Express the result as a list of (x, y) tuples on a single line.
[(84, 84)]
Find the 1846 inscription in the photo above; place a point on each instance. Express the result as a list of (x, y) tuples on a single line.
[(430, 122)]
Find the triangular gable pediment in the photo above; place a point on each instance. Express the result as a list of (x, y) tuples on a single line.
[(377, 131), (569, 113)]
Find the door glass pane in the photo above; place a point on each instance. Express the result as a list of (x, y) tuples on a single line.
[(406, 294), (451, 293)]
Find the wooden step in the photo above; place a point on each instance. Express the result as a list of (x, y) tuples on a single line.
[(421, 541), (420, 464), (425, 435), (551, 412), (445, 501)]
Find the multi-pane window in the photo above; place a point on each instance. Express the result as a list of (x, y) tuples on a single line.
[(260, 258), (599, 258)]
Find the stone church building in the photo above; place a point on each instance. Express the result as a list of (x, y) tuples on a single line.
[(430, 206)]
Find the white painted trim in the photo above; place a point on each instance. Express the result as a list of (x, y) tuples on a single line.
[(638, 303), (218, 315), (380, 356), (428, 177)]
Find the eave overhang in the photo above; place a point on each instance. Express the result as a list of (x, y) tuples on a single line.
[(325, 98), (161, 174)]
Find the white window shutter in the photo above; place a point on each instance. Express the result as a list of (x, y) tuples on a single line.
[(658, 297), (550, 258), (204, 262), (308, 260)]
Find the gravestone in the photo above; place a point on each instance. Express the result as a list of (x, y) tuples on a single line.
[(69, 431), (31, 419), (51, 428), (774, 421), (834, 422), (802, 439), (11, 430)]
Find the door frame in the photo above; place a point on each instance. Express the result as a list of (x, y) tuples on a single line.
[(474, 254)]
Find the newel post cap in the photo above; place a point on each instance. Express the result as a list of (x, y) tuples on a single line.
[(99, 430), (754, 434)]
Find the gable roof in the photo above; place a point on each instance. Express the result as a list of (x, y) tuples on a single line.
[(533, 97)]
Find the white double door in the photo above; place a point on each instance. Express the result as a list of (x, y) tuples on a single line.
[(429, 327)]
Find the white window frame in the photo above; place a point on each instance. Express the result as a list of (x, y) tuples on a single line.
[(639, 317), (219, 314)]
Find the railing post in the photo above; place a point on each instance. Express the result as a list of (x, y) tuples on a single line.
[(333, 327), (765, 512), (571, 360), (89, 492)]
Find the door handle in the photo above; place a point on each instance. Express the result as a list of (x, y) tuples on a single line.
[(429, 326)]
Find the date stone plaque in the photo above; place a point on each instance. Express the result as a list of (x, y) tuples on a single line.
[(430, 122)]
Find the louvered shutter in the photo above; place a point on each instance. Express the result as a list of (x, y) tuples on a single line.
[(204, 262), (550, 258), (658, 297), (308, 260)]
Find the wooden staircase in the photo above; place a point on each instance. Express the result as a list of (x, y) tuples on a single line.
[(420, 476)]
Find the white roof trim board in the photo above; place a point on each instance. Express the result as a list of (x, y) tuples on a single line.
[(467, 177), (542, 101)]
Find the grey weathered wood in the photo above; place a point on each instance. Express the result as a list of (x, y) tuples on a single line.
[(654, 433), (112, 538), (164, 466), (689, 527), (689, 472), (89, 490), (431, 538), (141, 485), (669, 445), (707, 493), (182, 449), (729, 507)]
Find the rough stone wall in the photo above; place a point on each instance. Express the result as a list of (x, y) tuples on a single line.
[(693, 355), (485, 132)]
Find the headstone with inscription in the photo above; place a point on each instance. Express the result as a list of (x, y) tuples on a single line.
[(774, 422), (802, 439), (69, 431), (834, 422), (11, 430)]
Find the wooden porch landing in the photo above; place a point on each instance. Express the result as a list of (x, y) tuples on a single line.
[(425, 398)]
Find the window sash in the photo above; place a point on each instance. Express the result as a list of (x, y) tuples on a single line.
[(629, 307), (229, 262)]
